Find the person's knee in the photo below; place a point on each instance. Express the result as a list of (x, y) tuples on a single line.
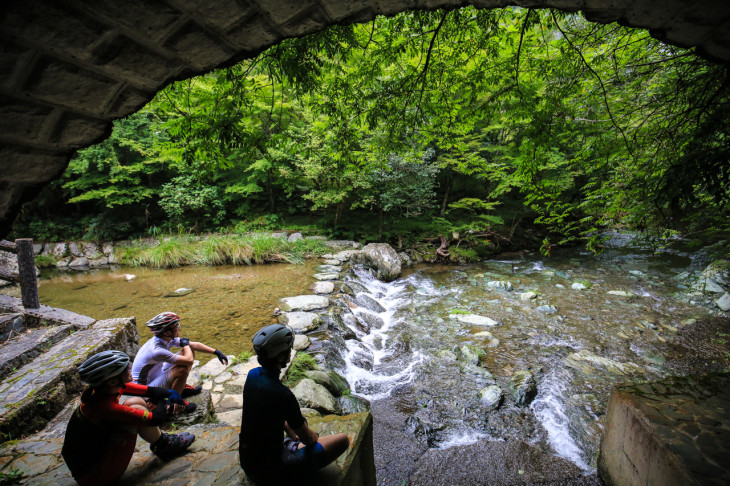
[(136, 402), (180, 371)]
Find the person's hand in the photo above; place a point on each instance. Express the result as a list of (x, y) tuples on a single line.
[(159, 414), (221, 357), (175, 398), (184, 342)]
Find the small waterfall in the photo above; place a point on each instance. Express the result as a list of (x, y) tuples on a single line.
[(549, 408), (374, 366)]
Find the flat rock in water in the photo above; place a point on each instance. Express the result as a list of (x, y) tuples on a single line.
[(326, 276), (301, 342), (320, 288), (528, 296), (300, 321), (491, 396), (332, 261), (474, 319), (589, 364), (328, 268), (304, 303), (621, 293), (180, 292)]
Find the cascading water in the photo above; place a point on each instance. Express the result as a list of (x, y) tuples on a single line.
[(413, 349)]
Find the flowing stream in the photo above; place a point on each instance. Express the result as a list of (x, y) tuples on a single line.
[(409, 357), (412, 350)]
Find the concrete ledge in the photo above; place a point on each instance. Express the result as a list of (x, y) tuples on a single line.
[(24, 348), (35, 317), (212, 459), (35, 393), (674, 432)]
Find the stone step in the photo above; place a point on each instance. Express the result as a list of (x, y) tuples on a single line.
[(36, 392), (11, 324), (24, 347), (212, 459), (37, 317)]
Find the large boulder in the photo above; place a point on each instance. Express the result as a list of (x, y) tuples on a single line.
[(300, 321), (383, 259), (714, 279), (311, 395)]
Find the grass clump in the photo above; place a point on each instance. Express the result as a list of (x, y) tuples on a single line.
[(302, 363), (45, 261), (244, 356), (459, 311), (221, 250)]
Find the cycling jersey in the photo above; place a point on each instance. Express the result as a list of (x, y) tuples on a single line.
[(153, 361), (267, 404), (97, 448)]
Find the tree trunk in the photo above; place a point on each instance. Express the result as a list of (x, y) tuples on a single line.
[(445, 200)]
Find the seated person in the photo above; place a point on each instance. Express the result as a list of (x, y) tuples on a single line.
[(156, 365), (101, 434), (269, 410)]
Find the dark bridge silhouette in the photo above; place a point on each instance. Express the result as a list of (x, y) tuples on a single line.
[(70, 67)]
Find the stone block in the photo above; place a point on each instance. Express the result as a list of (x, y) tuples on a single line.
[(70, 86), (21, 119), (132, 59), (34, 393), (76, 131), (30, 166), (128, 101), (24, 348), (253, 34), (197, 47), (221, 14), (149, 19)]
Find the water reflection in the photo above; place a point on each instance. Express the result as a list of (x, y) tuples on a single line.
[(227, 306)]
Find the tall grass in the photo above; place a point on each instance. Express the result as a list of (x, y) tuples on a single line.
[(220, 250)]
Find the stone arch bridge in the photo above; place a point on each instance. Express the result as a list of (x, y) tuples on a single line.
[(70, 67)]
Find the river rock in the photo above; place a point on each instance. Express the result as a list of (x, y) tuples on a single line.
[(528, 296), (90, 250), (301, 342), (99, 262), (63, 262), (369, 303), (332, 261), (715, 278), (129, 277), (79, 262), (351, 404), (474, 319), (344, 323), (484, 335), (320, 288), (383, 259), (311, 395), (547, 309), (370, 320), (724, 302), (491, 396), (295, 237), (325, 379), (353, 288), (180, 292), (348, 255), (328, 269), (74, 250), (621, 293), (304, 303), (578, 286), (107, 249), (60, 250), (468, 354), (523, 387), (447, 355), (326, 276), (499, 285), (300, 321), (588, 363)]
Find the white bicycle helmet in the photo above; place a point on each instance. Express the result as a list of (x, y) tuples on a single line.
[(162, 321), (103, 366), (273, 340)]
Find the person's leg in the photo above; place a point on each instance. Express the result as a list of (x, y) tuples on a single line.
[(334, 445), (178, 376), (149, 433)]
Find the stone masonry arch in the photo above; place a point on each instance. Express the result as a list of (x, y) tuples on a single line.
[(70, 67)]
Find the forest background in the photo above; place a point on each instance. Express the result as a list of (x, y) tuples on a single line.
[(486, 124)]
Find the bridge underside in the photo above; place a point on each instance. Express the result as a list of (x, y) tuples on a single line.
[(70, 67)]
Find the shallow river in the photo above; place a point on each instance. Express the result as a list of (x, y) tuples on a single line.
[(409, 359)]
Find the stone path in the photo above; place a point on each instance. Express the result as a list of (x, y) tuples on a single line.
[(212, 459)]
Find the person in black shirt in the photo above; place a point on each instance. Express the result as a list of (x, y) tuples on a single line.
[(270, 410)]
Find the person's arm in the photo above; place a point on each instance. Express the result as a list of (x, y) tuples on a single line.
[(207, 349), (306, 435), (185, 356), (290, 432)]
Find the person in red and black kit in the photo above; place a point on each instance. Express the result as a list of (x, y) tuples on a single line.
[(101, 434)]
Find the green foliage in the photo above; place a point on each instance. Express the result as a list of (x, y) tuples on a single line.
[(459, 311), (414, 126), (464, 255), (177, 251), (45, 261), (244, 356), (13, 476), (301, 363)]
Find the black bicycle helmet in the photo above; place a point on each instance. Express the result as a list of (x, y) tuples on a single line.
[(103, 366), (162, 321), (273, 340)]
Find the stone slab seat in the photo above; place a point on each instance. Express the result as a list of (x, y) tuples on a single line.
[(45, 313), (212, 459), (23, 348), (33, 394)]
